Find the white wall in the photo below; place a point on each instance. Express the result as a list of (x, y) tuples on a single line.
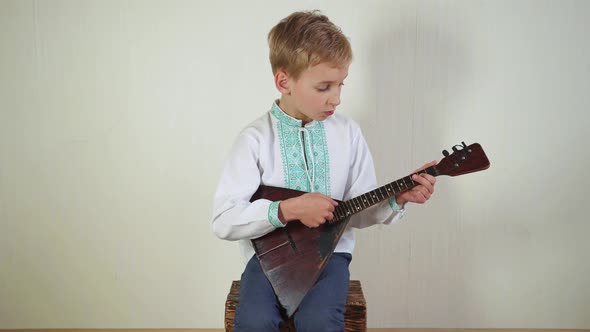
[(115, 117)]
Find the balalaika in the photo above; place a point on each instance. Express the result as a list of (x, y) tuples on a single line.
[(294, 256)]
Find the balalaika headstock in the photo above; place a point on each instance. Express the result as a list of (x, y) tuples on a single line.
[(464, 159)]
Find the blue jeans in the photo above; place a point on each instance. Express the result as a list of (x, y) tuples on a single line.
[(322, 309)]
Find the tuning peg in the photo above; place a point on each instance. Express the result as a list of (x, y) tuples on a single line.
[(445, 153), (465, 147), (455, 148)]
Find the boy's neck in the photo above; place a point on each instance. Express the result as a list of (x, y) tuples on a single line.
[(286, 104)]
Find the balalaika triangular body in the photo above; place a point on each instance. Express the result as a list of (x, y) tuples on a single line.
[(294, 256)]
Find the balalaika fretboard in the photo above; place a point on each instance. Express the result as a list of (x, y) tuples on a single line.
[(357, 204)]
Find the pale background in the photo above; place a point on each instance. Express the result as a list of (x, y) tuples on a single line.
[(115, 117)]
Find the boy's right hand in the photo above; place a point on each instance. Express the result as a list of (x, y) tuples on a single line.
[(312, 209)]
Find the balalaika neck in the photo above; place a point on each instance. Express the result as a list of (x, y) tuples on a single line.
[(357, 204)]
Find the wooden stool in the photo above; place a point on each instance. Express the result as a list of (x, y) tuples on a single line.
[(355, 315)]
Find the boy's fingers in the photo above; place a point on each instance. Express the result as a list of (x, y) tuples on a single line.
[(331, 200), (430, 178), (426, 184), (425, 179)]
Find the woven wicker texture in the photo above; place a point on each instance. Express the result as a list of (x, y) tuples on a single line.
[(355, 317)]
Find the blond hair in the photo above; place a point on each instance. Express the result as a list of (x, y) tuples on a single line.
[(304, 39)]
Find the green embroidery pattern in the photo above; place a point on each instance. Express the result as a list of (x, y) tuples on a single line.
[(273, 215), (393, 204), (294, 167)]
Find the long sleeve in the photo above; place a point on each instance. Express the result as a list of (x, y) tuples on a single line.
[(234, 217), (362, 179)]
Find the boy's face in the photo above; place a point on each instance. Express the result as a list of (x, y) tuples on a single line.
[(316, 93)]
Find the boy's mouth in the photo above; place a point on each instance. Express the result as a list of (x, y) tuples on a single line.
[(329, 112)]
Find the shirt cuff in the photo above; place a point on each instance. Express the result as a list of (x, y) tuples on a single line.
[(273, 215), (401, 210)]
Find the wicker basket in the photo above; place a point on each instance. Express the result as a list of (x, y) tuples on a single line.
[(355, 316)]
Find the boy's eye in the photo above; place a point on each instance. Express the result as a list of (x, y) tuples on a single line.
[(324, 88)]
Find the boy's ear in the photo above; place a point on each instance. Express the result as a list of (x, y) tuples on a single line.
[(283, 81)]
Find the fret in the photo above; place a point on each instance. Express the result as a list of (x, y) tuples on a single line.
[(354, 204), (350, 207), (343, 210), (403, 185), (342, 207), (411, 182), (396, 188), (367, 199), (364, 201), (358, 204), (385, 191), (397, 185), (338, 212), (390, 189), (359, 201), (381, 193), (373, 196)]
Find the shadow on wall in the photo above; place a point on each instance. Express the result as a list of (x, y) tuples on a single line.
[(416, 70)]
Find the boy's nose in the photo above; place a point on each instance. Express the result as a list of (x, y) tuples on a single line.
[(334, 100)]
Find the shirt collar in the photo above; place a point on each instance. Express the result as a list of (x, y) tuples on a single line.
[(285, 118)]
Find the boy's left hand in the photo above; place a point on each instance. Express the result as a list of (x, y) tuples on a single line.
[(422, 192)]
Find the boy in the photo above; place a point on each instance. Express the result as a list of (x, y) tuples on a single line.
[(302, 144)]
